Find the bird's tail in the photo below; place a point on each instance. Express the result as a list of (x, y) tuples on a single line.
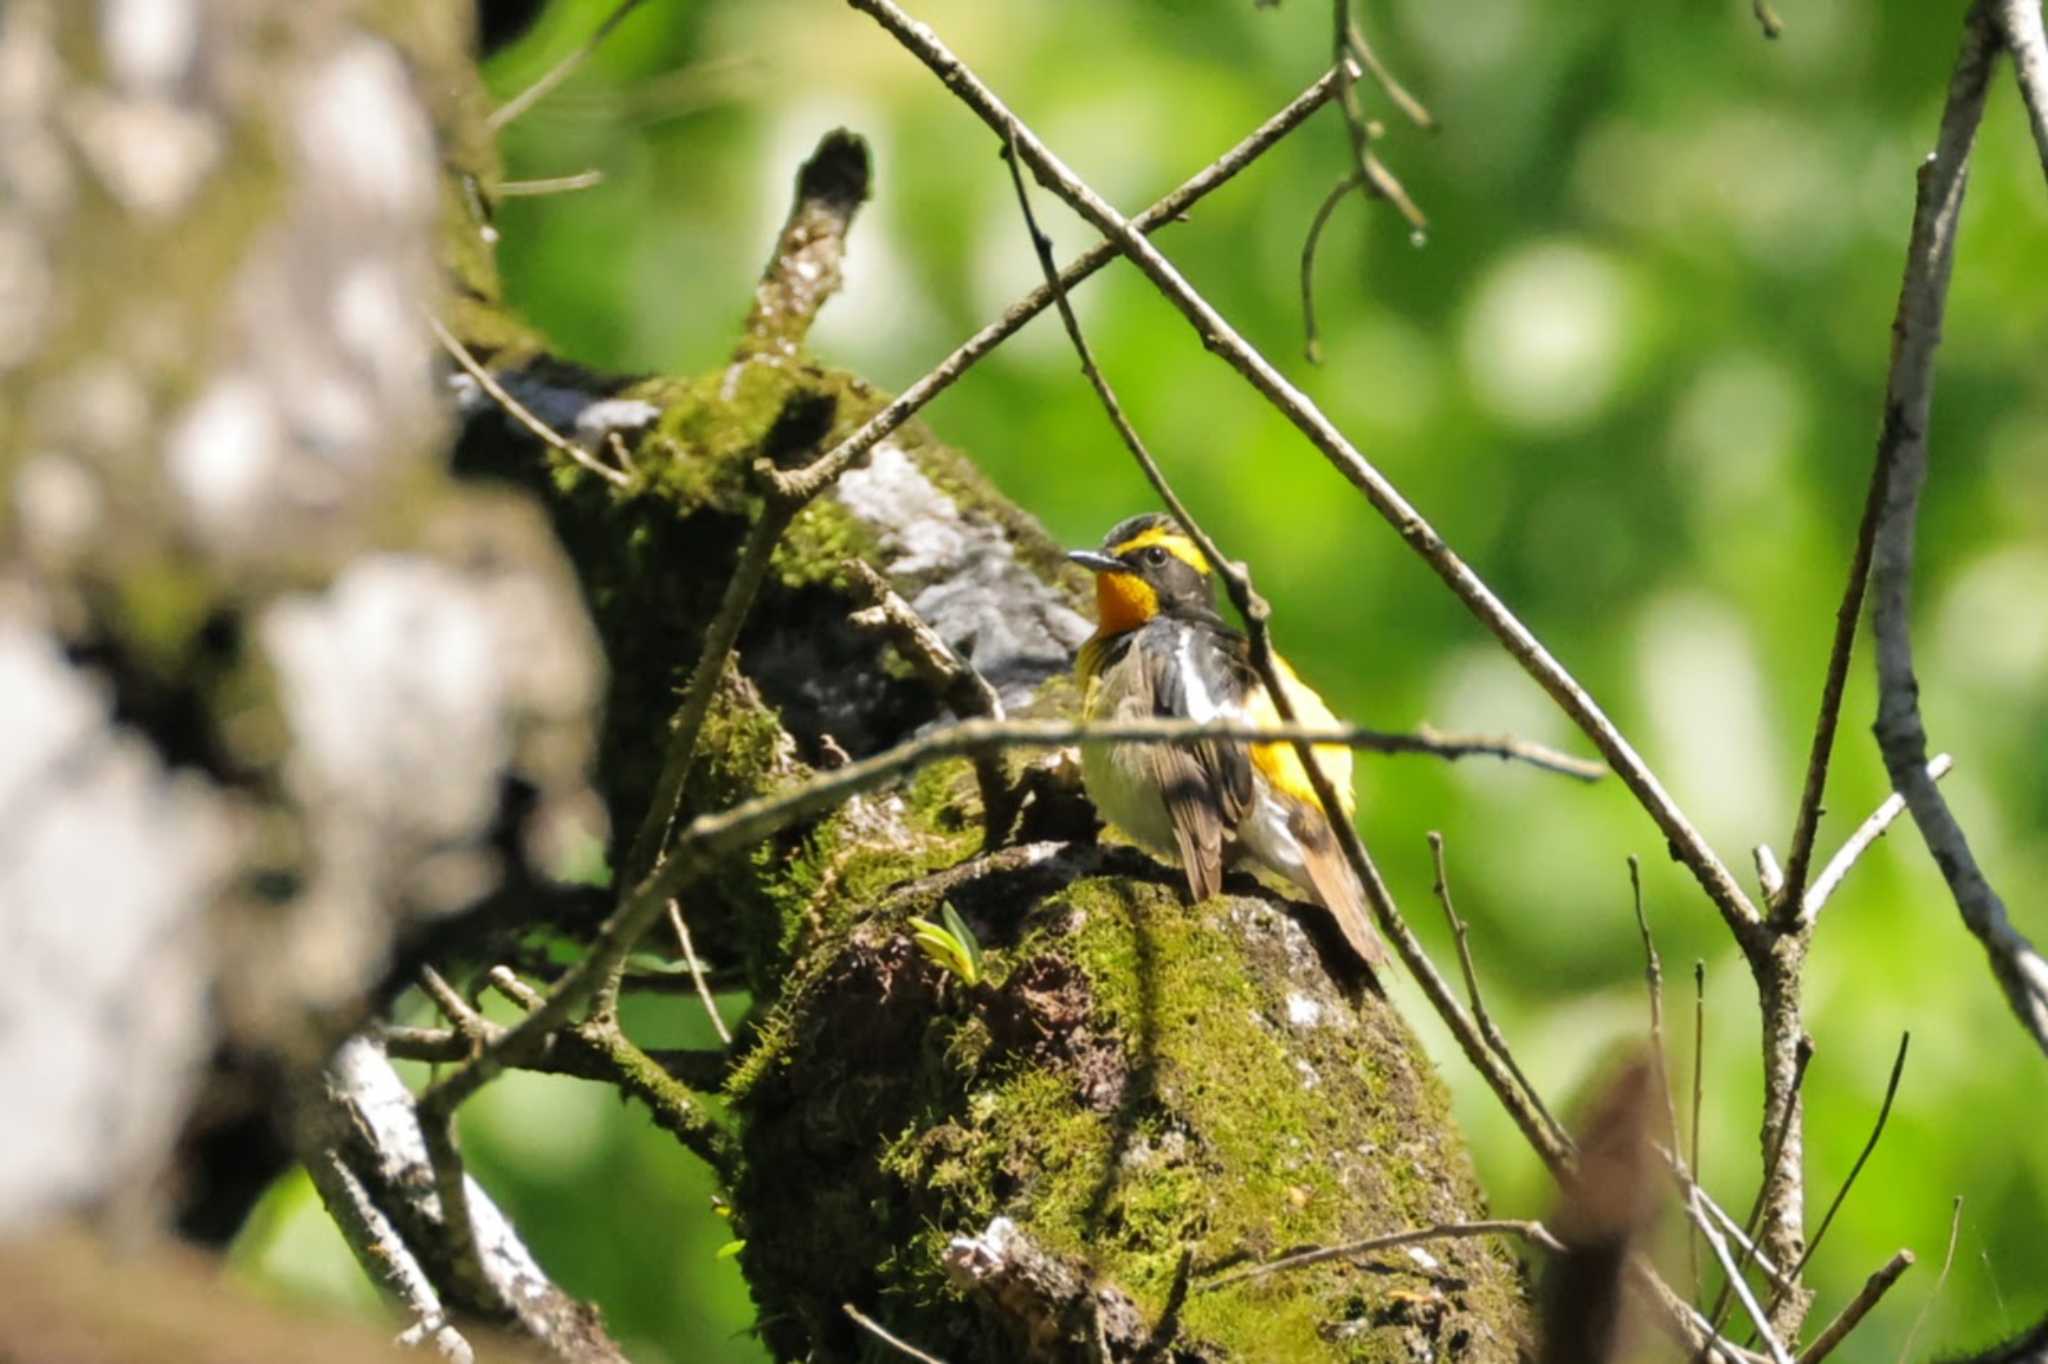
[(1336, 885)]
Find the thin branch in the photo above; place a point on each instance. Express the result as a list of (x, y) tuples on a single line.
[(1371, 172), (1688, 1183), (803, 271), (361, 1117), (710, 837), (1395, 92), (1767, 18), (2019, 23), (1884, 1112), (1948, 1258), (875, 1329), (382, 1251), (473, 1026), (1312, 341), (1443, 1231), (558, 184), (664, 807), (609, 1055), (1219, 336), (1653, 981), (1902, 458), (682, 931), (1868, 832), (559, 72), (546, 434), (1719, 1245), (1492, 1034), (563, 1053), (1770, 877), (962, 689), (1806, 825), (943, 375), (1851, 1315), (1774, 1152), (1555, 1151), (1692, 1158), (802, 485)]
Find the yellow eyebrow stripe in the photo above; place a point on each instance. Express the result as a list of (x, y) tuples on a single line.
[(1170, 539)]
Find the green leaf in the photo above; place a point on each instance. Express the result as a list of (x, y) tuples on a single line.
[(953, 953), (971, 944), (729, 1249)]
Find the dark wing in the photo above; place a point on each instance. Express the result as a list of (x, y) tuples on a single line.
[(1195, 672)]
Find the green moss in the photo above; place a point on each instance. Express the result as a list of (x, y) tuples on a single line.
[(1215, 1143)]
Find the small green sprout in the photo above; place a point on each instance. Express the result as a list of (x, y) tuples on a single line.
[(952, 945)]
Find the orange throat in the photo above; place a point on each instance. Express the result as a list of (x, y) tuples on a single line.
[(1123, 601)]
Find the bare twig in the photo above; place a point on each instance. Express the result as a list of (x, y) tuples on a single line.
[(1868, 832), (563, 1053), (1312, 341), (1767, 18), (682, 932), (1391, 88), (472, 1025), (1169, 209), (380, 1248), (964, 691), (1688, 1182), (1371, 173), (803, 271), (1223, 339), (1874, 1288), (1692, 1157), (1719, 1245), (1806, 825), (800, 486), (665, 806), (1770, 877), (1774, 1157), (1902, 457), (2019, 23), (1948, 1258), (713, 836), (559, 72), (1891, 1090), (546, 434), (875, 1329), (362, 1119), (1494, 1039), (557, 184), (1653, 981), (1253, 609), (1444, 1231)]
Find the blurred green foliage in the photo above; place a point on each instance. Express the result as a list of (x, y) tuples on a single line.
[(1633, 377)]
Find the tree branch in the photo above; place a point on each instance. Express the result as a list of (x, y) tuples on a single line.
[(2019, 24), (1902, 456), (1219, 336)]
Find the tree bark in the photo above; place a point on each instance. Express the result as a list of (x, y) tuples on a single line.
[(1042, 1164)]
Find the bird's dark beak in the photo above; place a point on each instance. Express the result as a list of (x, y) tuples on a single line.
[(1099, 563)]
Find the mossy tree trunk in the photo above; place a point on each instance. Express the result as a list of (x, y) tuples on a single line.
[(1042, 1164), (1138, 1091)]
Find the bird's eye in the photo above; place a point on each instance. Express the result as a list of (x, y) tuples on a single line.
[(1155, 556)]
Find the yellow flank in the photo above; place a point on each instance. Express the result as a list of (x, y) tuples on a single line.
[(1169, 539), (1088, 667), (1279, 763)]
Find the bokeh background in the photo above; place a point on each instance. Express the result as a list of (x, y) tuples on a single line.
[(1633, 376)]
